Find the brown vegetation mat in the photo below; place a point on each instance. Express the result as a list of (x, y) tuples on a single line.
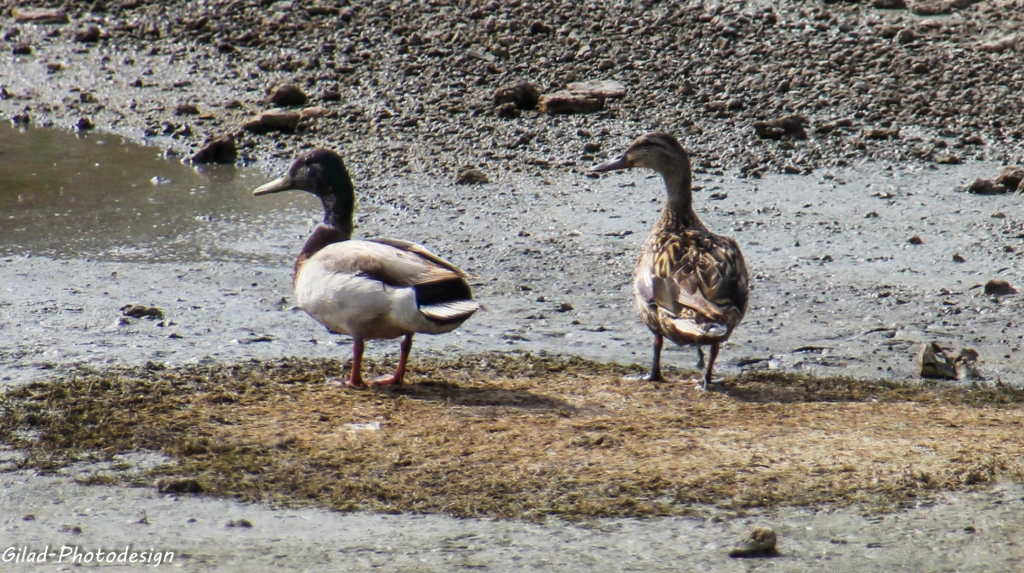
[(522, 436)]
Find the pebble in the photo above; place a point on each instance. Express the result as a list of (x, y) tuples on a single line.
[(879, 133), (40, 15), (471, 177), (219, 150), (607, 89), (1010, 177), (142, 311), (915, 240), (758, 542), (523, 94), (287, 95), (22, 49), (273, 120), (179, 485), (565, 102), (793, 126), (186, 109), (84, 124), (933, 363), (999, 287), (986, 187), (88, 34)]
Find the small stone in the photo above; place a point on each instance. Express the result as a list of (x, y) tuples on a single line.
[(88, 34), (872, 215), (507, 110), (888, 31), (591, 147), (958, 258), (564, 102), (311, 112), (1010, 177), (522, 93), (40, 15), (931, 7), (889, 4), (947, 159), (179, 485), (915, 240), (1006, 43), (273, 120), (759, 542), (879, 133), (986, 187), (783, 86), (186, 109), (239, 523), (999, 287), (906, 36), (932, 362), (225, 48), (142, 311), (22, 49), (793, 126), (471, 177), (84, 124), (286, 95), (219, 150), (604, 89)]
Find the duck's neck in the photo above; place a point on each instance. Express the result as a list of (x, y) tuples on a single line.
[(337, 225), (678, 213)]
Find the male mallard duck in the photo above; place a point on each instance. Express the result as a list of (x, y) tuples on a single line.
[(690, 284), (372, 288)]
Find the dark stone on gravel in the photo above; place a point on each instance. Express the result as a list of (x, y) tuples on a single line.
[(931, 7), (180, 485), (958, 258), (287, 95), (22, 49), (40, 15), (591, 147), (471, 177), (999, 287), (507, 110), (906, 36), (141, 311), (947, 159), (880, 133), (605, 89), (889, 4), (793, 126), (1010, 177), (219, 150), (273, 120), (89, 34), (888, 31), (186, 109), (84, 124), (986, 187), (759, 542), (565, 102), (915, 240), (522, 93)]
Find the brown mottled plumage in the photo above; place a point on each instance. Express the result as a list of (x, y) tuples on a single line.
[(690, 284)]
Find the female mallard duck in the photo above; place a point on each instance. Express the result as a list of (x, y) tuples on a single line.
[(372, 288), (690, 284)]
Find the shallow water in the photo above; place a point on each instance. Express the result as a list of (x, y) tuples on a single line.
[(100, 197)]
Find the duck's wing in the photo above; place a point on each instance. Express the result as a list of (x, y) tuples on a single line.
[(693, 270), (442, 293)]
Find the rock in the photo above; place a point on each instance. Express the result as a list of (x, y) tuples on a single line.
[(958, 258), (88, 34), (606, 89), (889, 4), (947, 159), (986, 187), (507, 110), (239, 523), (966, 362), (879, 133), (219, 150), (793, 126), (287, 95), (888, 31), (999, 287), (40, 15), (471, 177), (186, 109), (1006, 43), (1010, 177), (931, 7), (933, 363), (591, 147), (84, 124), (273, 120), (906, 36), (523, 94), (563, 102), (311, 112), (759, 542), (22, 49), (141, 311), (179, 485), (915, 240)]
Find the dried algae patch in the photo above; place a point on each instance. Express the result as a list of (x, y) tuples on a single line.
[(517, 436)]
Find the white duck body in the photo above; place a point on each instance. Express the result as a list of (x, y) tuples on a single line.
[(368, 289)]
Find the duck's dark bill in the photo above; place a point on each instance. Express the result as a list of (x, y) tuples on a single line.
[(283, 183), (618, 163)]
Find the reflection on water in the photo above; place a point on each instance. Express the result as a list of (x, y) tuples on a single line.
[(97, 196)]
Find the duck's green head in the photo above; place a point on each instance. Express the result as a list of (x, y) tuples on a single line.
[(658, 151)]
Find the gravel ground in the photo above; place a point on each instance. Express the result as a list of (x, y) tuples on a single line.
[(407, 90)]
